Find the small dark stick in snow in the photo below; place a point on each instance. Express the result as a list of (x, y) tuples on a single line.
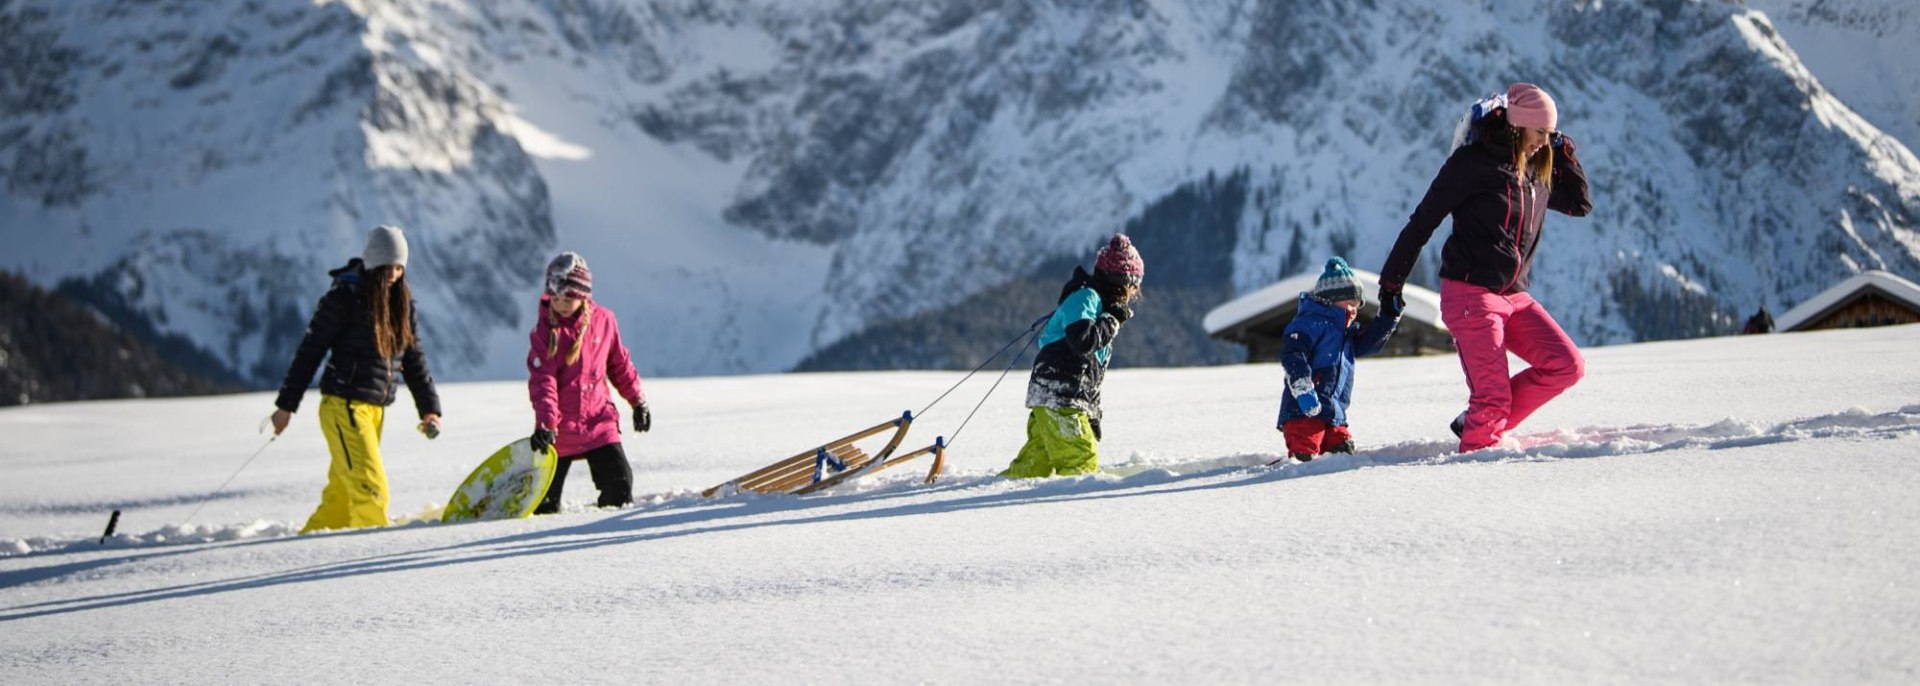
[(111, 523)]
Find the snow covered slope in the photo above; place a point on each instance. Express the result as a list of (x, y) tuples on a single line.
[(1693, 511), (1863, 51), (754, 180)]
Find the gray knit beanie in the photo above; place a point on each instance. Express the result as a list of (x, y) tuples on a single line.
[(385, 246)]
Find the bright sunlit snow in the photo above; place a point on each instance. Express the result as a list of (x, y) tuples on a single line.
[(1717, 510)]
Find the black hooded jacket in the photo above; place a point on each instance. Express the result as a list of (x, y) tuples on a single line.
[(1074, 346), (343, 327), (1496, 217)]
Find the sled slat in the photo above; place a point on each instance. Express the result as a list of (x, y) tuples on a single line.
[(794, 467), (853, 458), (797, 474), (762, 474), (938, 450)]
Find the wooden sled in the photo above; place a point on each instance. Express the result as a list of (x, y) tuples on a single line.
[(834, 462)]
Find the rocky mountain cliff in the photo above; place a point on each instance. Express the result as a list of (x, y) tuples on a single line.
[(758, 182)]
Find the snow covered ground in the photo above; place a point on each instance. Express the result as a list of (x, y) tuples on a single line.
[(1723, 510)]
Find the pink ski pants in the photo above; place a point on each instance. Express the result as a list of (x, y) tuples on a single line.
[(1486, 326)]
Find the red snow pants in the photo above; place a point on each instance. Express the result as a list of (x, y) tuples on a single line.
[(1309, 436), (1486, 326)]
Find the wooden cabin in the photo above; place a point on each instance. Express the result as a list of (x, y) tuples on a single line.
[(1869, 298)]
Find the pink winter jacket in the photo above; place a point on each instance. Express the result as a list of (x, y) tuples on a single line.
[(571, 399)]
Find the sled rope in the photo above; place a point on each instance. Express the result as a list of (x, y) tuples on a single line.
[(988, 361), (955, 436), (223, 484)]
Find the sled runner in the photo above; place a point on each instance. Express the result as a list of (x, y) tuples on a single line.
[(834, 462)]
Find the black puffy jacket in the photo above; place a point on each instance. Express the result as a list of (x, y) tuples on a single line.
[(1074, 348), (342, 331), (1496, 218)]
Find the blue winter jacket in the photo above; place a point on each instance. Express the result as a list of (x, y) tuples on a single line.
[(1321, 345)]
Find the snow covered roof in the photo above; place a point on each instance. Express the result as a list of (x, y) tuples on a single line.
[(1422, 304), (1846, 292)]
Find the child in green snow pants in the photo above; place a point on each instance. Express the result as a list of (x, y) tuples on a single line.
[(1059, 442)]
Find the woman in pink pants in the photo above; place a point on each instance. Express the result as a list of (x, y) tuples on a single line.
[(1498, 188)]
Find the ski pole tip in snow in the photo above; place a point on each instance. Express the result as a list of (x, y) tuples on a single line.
[(112, 522)]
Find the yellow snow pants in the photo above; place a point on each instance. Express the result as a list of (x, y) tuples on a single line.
[(1059, 442), (356, 492)]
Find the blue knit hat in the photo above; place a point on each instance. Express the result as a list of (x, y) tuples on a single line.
[(1337, 283)]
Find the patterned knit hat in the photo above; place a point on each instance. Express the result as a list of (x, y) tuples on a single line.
[(567, 275), (385, 246), (1120, 260), (1336, 283)]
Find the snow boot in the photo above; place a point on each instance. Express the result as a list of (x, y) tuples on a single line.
[(1346, 447), (1459, 425), (1302, 457)]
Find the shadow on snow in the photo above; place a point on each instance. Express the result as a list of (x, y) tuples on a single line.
[(685, 514)]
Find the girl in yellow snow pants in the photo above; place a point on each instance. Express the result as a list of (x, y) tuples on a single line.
[(1059, 442), (356, 492)]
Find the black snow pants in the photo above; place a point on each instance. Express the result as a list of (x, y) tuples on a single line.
[(611, 474)]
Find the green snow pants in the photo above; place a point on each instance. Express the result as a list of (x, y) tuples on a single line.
[(1059, 442)]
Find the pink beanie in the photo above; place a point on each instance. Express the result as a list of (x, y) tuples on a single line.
[(1120, 259), (1529, 107)]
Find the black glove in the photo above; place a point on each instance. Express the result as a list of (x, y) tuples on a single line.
[(1120, 313), (1562, 148), (1095, 423), (542, 440), (1391, 302), (642, 418)]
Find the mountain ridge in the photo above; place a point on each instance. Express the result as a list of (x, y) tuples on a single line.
[(756, 181)]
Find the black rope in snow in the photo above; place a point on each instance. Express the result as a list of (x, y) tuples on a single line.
[(996, 384), (983, 365)]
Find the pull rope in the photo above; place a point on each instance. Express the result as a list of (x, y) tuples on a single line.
[(983, 365), (223, 484), (955, 436)]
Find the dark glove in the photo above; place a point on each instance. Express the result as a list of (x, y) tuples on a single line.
[(1120, 313), (1095, 423), (642, 418), (1391, 302), (1562, 148), (542, 440)]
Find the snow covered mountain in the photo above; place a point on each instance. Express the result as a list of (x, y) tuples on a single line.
[(756, 180), (1862, 50)]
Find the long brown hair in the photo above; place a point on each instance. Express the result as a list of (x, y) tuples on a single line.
[(1495, 130), (392, 310)]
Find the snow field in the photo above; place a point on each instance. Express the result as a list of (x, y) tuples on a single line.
[(1734, 509)]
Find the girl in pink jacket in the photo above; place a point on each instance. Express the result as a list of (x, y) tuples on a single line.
[(575, 355)]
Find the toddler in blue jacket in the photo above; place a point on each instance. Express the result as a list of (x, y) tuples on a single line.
[(1318, 353)]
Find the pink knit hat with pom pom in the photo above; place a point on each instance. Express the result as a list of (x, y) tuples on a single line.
[(1120, 259)]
